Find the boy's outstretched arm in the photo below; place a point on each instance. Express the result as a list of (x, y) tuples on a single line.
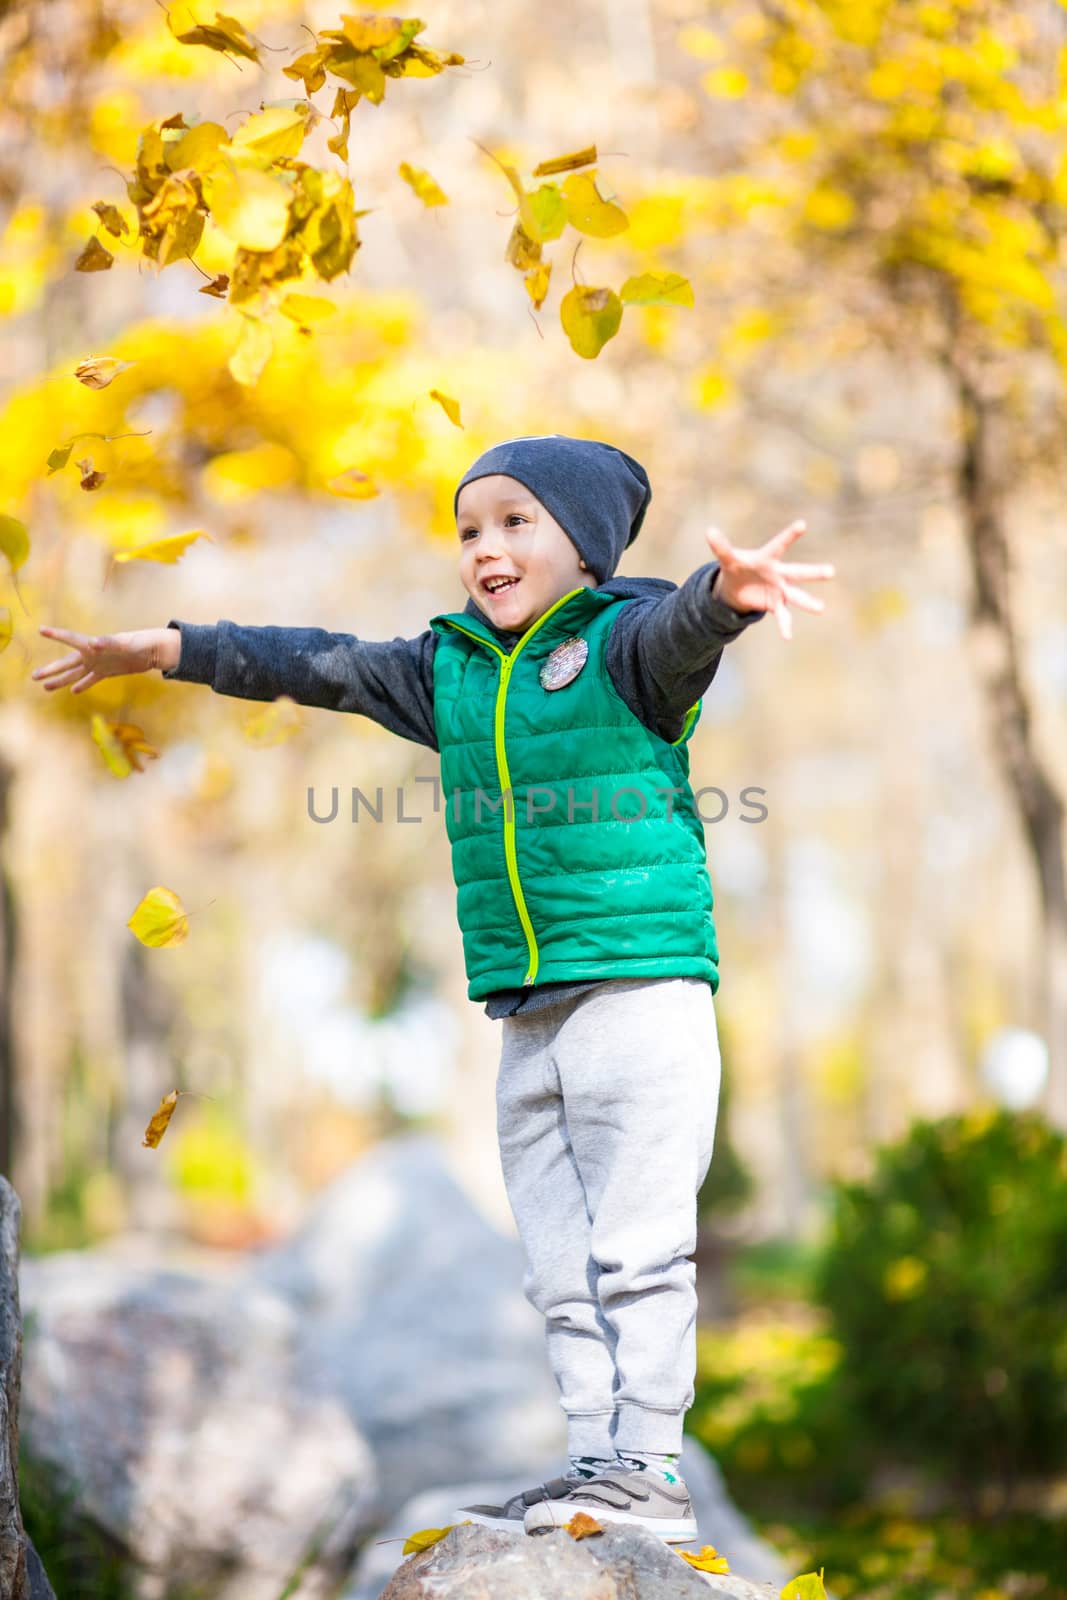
[(389, 680)]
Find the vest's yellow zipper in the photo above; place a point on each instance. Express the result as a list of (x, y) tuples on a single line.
[(507, 662)]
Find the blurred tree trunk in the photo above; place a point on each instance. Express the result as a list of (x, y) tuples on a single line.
[(1037, 801), (8, 937)]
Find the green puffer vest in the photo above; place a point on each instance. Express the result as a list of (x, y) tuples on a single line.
[(541, 898)]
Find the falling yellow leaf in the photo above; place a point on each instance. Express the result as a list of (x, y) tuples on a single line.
[(218, 286), (251, 207), (657, 288), (278, 722), (580, 158), (200, 147), (807, 1587), (588, 211), (111, 217), (707, 1560), (94, 258), (90, 478), (255, 346), (159, 919), (6, 628), (225, 34), (169, 550), (306, 308), (424, 186), (536, 281), (160, 1119), (582, 1525), (121, 744), (98, 371), (273, 132), (544, 213), (353, 485), (450, 406), (590, 317), (14, 541)]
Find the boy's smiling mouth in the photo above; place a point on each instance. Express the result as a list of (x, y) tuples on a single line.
[(501, 584)]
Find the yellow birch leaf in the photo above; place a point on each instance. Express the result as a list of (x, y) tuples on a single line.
[(707, 1560), (276, 723), (157, 1127), (111, 217), (255, 347), (590, 317), (582, 1525), (200, 147), (169, 550), (306, 308), (588, 211), (536, 281), (544, 213), (6, 628), (94, 258), (309, 69), (657, 288), (276, 131), (580, 158), (424, 186), (98, 371), (121, 744), (14, 541), (226, 34), (809, 1586), (522, 251), (353, 485), (159, 919), (249, 206), (450, 406)]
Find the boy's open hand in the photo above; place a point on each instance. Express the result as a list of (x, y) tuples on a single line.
[(757, 580), (97, 656)]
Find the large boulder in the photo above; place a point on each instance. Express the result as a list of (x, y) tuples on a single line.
[(410, 1308), (177, 1411), (22, 1576), (719, 1523), (619, 1563)]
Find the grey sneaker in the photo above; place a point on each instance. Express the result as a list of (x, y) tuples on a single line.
[(642, 1498), (513, 1511)]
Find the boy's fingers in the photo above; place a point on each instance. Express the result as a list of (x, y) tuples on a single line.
[(801, 569), (785, 621), (52, 667), (799, 597), (787, 535)]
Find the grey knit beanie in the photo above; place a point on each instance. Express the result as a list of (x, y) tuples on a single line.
[(595, 491)]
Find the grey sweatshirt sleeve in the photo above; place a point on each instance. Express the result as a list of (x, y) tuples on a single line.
[(390, 681), (663, 654)]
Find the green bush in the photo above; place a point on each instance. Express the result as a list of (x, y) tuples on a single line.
[(945, 1280)]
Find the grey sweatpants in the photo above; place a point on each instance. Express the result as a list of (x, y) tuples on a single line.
[(606, 1111)]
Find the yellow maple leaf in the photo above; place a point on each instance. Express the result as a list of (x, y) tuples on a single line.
[(159, 919), (707, 1559), (582, 1525)]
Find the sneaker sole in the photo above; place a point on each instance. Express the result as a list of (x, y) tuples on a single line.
[(512, 1524), (675, 1530)]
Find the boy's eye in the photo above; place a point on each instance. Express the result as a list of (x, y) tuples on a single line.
[(507, 519)]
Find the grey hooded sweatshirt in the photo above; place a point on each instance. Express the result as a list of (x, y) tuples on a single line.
[(662, 655)]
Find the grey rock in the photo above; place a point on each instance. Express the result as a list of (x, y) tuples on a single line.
[(475, 1563), (719, 1522), (175, 1409), (411, 1309), (22, 1575)]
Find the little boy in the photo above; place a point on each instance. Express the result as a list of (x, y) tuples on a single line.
[(561, 700)]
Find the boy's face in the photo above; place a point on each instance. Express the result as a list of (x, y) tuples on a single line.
[(505, 531)]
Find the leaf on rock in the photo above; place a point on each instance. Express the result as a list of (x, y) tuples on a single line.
[(425, 1537), (582, 1525), (809, 1586), (707, 1560), (159, 920)]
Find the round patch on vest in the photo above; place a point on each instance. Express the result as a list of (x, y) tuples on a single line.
[(564, 663)]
